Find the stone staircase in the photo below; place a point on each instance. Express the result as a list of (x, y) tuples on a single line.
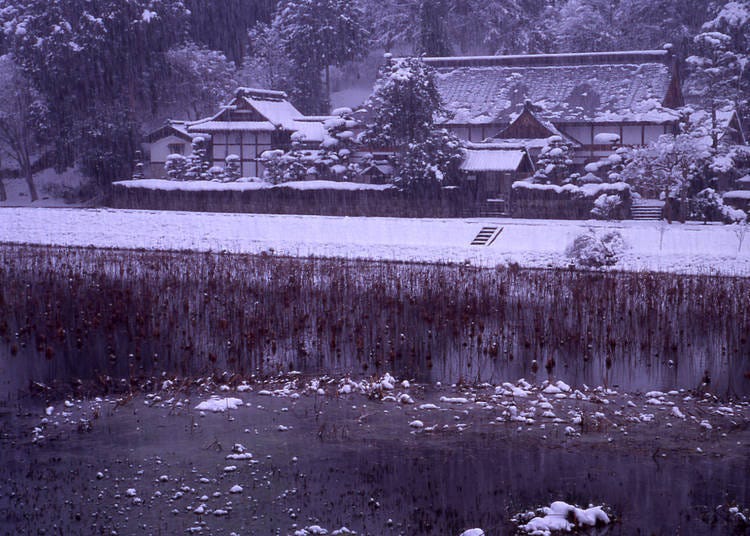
[(647, 210), (486, 236)]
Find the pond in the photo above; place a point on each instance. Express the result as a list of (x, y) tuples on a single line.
[(70, 315)]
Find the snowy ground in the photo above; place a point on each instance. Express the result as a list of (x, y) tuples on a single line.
[(685, 248), (50, 186)]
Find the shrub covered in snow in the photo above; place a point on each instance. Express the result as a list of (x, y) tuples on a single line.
[(283, 166), (606, 207), (232, 170), (429, 164), (176, 166), (595, 250), (554, 161), (708, 205)]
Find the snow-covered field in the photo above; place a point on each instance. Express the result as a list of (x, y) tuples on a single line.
[(684, 248)]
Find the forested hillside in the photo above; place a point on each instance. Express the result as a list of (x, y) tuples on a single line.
[(93, 75)]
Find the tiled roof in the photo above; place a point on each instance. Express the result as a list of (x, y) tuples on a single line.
[(617, 86)]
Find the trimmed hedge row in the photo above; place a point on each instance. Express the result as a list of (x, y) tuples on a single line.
[(563, 205), (448, 203)]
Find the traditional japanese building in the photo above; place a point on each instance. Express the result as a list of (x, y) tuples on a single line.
[(584, 97), (254, 121)]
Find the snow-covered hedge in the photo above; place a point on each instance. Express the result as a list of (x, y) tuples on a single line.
[(328, 198), (530, 200)]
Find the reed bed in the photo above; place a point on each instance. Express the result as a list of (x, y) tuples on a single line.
[(70, 314)]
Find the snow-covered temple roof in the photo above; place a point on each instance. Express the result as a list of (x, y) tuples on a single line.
[(639, 86), (259, 110), (492, 159)]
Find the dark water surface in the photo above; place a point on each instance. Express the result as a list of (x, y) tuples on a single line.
[(69, 314), (334, 468)]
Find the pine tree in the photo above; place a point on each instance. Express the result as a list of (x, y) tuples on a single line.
[(554, 162), (198, 163), (719, 74), (176, 167), (232, 170), (338, 146), (292, 165)]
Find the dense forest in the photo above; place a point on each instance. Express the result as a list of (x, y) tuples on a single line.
[(84, 79)]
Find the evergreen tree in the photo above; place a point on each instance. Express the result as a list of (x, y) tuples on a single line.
[(554, 162), (112, 53), (288, 166), (197, 80), (176, 167), (223, 25), (433, 32), (719, 73), (429, 164), (198, 163), (267, 63), (232, 170), (318, 34), (335, 160), (404, 104)]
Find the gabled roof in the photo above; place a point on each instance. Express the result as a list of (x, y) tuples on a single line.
[(489, 158), (601, 87), (529, 126), (171, 128), (261, 110)]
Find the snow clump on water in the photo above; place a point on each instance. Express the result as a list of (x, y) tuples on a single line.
[(216, 404), (560, 517)]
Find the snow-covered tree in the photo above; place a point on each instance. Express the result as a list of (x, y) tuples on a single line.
[(280, 166), (338, 146), (719, 67), (583, 25), (430, 163), (672, 165), (223, 25), (232, 170), (198, 79), (606, 206), (97, 64), (198, 163), (318, 34), (23, 118), (554, 161), (405, 103), (267, 63), (609, 168), (176, 167)]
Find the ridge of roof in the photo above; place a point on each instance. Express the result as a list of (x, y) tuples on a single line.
[(551, 60), (258, 93)]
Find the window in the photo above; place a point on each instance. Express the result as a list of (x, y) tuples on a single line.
[(176, 148)]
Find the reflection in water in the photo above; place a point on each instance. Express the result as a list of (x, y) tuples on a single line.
[(88, 314)]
